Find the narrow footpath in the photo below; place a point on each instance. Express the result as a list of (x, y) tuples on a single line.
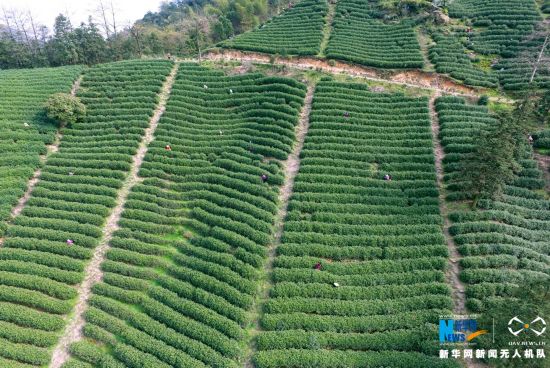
[(290, 169), (327, 28), (93, 273), (453, 271)]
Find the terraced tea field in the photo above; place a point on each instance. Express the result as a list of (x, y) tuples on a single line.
[(358, 37), (299, 207), (24, 129), (379, 240), (506, 244), (297, 31), (183, 269), (76, 191), (503, 23), (449, 57)]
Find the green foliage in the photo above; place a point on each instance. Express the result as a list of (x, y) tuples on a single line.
[(183, 269), (65, 109), (360, 38), (24, 127), (492, 163), (542, 139), (504, 245), (450, 57), (75, 194), (502, 24), (378, 240), (529, 300), (483, 100), (297, 31)]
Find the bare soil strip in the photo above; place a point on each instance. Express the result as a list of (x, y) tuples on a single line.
[(409, 78), (327, 29), (73, 331), (453, 271), (290, 169), (51, 148)]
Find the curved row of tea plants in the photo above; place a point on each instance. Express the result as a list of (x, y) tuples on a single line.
[(515, 72), (380, 241), (24, 129), (449, 57), (358, 38), (546, 7), (182, 272), (39, 268), (505, 244), (297, 31), (502, 23)]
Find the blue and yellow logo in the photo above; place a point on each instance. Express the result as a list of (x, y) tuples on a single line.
[(458, 330)]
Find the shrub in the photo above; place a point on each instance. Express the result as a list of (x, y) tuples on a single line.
[(65, 109)]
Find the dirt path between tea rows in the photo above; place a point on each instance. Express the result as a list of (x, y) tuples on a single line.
[(453, 271), (93, 273), (290, 170)]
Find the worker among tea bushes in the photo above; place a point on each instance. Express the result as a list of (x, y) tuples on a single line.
[(168, 147), (318, 266), (530, 138), (387, 177), (346, 114), (70, 242), (264, 178)]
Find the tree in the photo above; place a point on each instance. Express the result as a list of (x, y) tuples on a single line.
[(137, 34), (197, 28), (63, 50), (493, 161), (91, 46), (222, 29), (65, 109)]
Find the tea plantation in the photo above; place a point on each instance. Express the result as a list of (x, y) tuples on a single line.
[(297, 31), (183, 270), (358, 37), (506, 244), (272, 212), (24, 129), (503, 23), (449, 57), (380, 241), (76, 191)]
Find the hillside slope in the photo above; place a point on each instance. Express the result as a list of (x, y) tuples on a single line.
[(24, 129)]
